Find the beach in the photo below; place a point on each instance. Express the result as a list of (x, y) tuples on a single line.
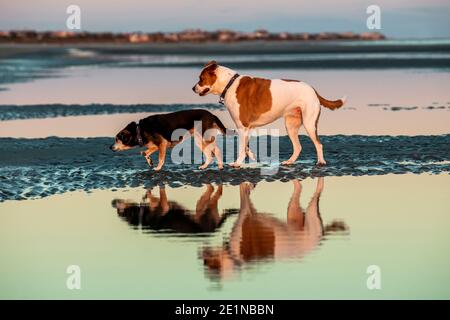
[(392, 221), (66, 199)]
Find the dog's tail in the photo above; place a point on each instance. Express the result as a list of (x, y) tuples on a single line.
[(330, 104), (220, 125)]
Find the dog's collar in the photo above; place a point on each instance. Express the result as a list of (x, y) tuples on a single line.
[(224, 92), (138, 134)]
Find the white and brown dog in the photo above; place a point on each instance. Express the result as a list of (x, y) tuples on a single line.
[(254, 102)]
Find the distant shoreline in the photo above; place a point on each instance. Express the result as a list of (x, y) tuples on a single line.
[(256, 47), (190, 36)]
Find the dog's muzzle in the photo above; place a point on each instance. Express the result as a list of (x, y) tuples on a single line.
[(198, 89), (204, 92)]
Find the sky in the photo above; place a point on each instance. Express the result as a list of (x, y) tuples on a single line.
[(399, 18)]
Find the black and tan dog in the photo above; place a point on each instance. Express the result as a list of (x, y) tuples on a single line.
[(155, 132)]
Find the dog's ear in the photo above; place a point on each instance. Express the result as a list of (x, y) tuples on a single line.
[(210, 63), (124, 136)]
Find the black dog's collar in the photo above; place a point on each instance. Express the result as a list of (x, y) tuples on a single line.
[(138, 135), (224, 92)]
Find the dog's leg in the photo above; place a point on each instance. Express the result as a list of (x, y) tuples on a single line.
[(218, 155), (162, 154), (208, 148), (313, 221), (163, 200), (293, 121), (247, 209), (250, 153), (246, 206), (295, 215), (217, 195), (213, 205), (243, 143), (311, 121), (148, 196), (152, 201), (147, 153), (198, 140), (203, 201)]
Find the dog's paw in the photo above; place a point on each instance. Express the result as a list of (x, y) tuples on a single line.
[(203, 166), (287, 162), (220, 166), (235, 165), (157, 169), (247, 187), (321, 163), (251, 155), (250, 185)]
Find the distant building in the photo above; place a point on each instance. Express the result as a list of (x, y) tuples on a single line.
[(138, 37)]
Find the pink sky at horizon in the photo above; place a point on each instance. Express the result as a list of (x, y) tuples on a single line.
[(402, 18)]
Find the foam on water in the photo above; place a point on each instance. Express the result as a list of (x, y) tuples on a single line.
[(31, 168)]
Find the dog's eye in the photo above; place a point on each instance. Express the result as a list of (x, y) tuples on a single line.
[(122, 137), (126, 138)]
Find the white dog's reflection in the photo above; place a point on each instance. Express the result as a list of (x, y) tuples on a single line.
[(257, 236)]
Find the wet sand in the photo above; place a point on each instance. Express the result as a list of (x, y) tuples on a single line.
[(32, 168)]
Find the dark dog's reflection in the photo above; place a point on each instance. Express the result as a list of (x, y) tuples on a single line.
[(256, 236), (158, 213)]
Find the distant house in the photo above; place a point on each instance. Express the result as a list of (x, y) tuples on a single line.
[(138, 37)]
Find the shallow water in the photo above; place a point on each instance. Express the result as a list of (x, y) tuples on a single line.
[(42, 167), (399, 101), (310, 239), (27, 62), (381, 200), (13, 112), (43, 111)]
